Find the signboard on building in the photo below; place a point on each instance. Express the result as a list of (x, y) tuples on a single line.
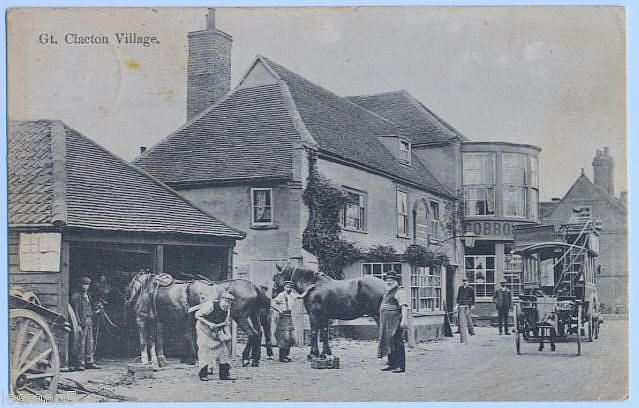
[(490, 230), (40, 252)]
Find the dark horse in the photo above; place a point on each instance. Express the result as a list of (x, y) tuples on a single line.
[(326, 298), (157, 304)]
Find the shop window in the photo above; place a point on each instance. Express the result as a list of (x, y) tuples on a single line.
[(480, 270), (262, 206), (479, 183), (512, 269), (426, 289), (380, 269), (353, 216), (402, 214)]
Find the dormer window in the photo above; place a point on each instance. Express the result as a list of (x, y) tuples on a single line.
[(404, 151)]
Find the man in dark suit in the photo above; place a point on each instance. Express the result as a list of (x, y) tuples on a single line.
[(465, 301), (503, 299)]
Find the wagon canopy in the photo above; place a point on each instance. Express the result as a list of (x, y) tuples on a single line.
[(548, 250)]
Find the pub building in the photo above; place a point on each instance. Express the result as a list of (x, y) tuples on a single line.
[(501, 189)]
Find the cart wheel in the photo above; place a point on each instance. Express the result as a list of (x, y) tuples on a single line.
[(517, 330), (579, 327), (35, 362)]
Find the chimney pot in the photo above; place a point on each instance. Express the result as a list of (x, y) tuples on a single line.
[(142, 149), (210, 19), (555, 199), (582, 171), (606, 151)]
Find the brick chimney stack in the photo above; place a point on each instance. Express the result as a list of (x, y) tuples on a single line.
[(603, 167), (209, 67)]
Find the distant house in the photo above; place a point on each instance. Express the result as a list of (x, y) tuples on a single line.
[(245, 157), (588, 200), (77, 210)]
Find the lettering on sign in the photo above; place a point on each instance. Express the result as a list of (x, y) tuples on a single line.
[(491, 229)]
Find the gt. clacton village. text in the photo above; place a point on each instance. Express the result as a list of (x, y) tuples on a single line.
[(99, 39)]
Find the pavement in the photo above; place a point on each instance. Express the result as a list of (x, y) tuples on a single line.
[(486, 369)]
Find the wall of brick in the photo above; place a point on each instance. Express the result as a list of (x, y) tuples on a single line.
[(209, 69)]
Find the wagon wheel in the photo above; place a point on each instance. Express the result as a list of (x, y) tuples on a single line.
[(35, 362), (579, 327), (517, 330)]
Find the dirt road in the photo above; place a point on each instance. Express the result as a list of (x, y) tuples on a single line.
[(486, 369)]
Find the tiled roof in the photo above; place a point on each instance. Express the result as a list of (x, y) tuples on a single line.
[(248, 134), (410, 115), (57, 174), (349, 131)]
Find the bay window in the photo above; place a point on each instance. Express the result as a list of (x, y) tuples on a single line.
[(479, 183), (515, 184)]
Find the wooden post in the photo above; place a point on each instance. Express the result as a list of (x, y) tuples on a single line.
[(230, 275), (63, 301), (158, 259), (411, 324)]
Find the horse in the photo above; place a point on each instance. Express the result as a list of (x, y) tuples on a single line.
[(156, 304), (326, 298)]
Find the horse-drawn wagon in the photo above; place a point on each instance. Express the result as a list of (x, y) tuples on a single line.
[(34, 356), (559, 298)]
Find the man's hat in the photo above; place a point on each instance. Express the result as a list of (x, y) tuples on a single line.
[(288, 282), (392, 275), (85, 280), (227, 296), (465, 279), (503, 281)]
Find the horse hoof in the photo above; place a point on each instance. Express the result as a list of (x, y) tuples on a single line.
[(255, 364), (245, 363), (269, 358)]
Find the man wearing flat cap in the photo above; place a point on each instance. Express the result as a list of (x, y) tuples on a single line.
[(212, 327), (465, 301), (393, 322), (503, 299), (285, 331), (82, 307)]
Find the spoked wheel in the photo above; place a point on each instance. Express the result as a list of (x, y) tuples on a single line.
[(35, 362), (579, 327), (517, 330)]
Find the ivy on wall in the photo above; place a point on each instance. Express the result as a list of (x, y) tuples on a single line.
[(321, 236)]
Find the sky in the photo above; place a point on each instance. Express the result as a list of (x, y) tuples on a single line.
[(553, 77)]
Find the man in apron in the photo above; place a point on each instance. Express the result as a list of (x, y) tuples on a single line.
[(285, 331), (212, 327), (393, 314)]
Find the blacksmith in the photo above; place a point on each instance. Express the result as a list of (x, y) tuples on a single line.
[(393, 313), (503, 299), (212, 327), (83, 309), (285, 332), (465, 301)]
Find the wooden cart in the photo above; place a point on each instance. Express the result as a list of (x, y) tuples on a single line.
[(34, 358)]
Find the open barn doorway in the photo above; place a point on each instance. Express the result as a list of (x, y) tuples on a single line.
[(110, 267)]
